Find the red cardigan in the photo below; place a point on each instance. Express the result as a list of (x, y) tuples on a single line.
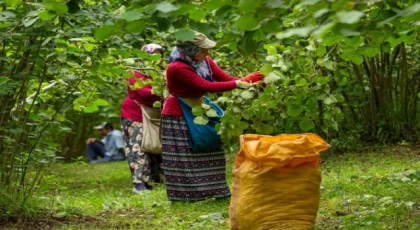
[(183, 81), (129, 109)]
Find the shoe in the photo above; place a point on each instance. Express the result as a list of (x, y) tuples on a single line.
[(140, 188), (143, 191)]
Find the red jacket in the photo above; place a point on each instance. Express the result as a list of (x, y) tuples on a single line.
[(129, 109), (183, 81)]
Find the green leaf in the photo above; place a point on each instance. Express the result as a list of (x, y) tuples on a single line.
[(357, 59), (382, 23), (324, 31), (300, 32), (321, 51), (354, 41), (271, 78), (34, 116), (100, 102), (184, 35), (105, 32), (349, 17), (409, 39), (349, 33), (274, 4), (132, 15), (12, 2), (222, 100), (197, 14), (5, 25), (247, 94), (414, 9), (371, 51), (166, 7), (267, 129), (377, 35), (205, 106), (326, 63), (60, 214), (16, 131), (248, 46), (211, 113), (138, 84), (339, 116), (46, 15), (322, 80), (270, 89), (259, 35), (306, 124), (243, 125), (91, 109), (302, 82), (272, 26), (6, 79), (248, 5), (60, 9), (183, 10), (330, 100), (88, 47), (201, 120), (155, 57), (271, 49), (320, 12), (198, 111), (405, 179), (294, 110), (53, 68), (62, 57), (135, 26), (157, 104), (46, 41), (214, 4), (247, 23), (266, 69), (204, 28)]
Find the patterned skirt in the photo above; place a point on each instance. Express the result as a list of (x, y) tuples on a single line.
[(189, 175), (144, 167)]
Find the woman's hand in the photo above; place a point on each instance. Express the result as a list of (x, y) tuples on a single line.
[(253, 77)]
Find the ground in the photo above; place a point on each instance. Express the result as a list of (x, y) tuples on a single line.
[(374, 190)]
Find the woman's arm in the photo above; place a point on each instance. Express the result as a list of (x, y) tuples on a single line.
[(146, 90), (187, 75), (218, 73)]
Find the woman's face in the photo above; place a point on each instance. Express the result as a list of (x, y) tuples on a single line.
[(200, 56), (158, 52)]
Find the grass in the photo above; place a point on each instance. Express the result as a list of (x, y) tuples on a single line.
[(373, 191)]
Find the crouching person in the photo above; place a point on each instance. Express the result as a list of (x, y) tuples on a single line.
[(110, 148)]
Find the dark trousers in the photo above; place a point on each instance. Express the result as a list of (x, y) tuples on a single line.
[(95, 149)]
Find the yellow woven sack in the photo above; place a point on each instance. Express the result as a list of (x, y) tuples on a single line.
[(276, 182)]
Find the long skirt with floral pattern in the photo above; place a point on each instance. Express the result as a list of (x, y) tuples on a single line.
[(144, 167)]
